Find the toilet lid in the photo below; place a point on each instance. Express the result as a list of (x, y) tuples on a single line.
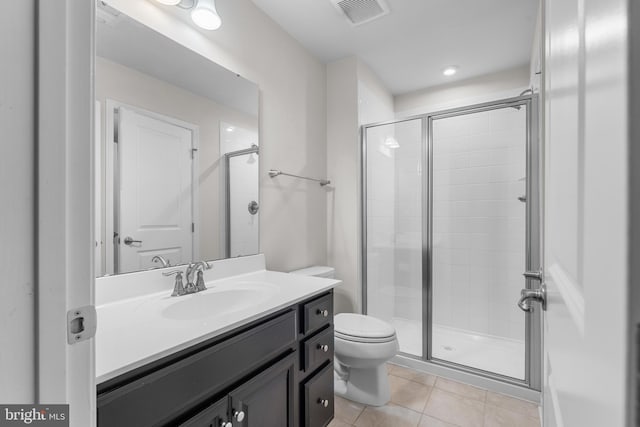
[(358, 326)]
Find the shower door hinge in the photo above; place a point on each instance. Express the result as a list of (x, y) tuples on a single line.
[(81, 324)]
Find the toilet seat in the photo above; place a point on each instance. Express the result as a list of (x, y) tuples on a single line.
[(351, 338), (361, 328)]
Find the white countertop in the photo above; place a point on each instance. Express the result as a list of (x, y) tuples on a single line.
[(137, 330)]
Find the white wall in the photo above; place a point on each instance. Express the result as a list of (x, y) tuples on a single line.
[(17, 217), (491, 87), (292, 118), (117, 82), (354, 96), (342, 169)]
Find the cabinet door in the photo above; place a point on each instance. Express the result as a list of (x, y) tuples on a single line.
[(213, 416), (267, 399)]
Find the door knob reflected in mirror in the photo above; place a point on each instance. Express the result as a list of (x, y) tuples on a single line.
[(129, 241)]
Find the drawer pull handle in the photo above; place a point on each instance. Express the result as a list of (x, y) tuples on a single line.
[(323, 313), (323, 347), (323, 402), (226, 424), (238, 415)]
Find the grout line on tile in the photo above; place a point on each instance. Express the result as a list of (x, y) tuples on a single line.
[(360, 414)]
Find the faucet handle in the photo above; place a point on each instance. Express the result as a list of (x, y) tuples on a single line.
[(200, 286), (172, 272), (178, 287)]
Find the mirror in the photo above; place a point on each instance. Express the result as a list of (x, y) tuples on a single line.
[(177, 152)]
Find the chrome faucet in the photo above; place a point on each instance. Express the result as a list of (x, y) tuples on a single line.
[(162, 260), (197, 268)]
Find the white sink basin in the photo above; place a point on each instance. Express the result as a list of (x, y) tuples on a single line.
[(219, 300)]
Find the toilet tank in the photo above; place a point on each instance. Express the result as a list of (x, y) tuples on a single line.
[(317, 271)]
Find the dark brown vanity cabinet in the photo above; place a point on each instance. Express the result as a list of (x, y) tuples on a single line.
[(262, 401), (315, 381), (274, 372)]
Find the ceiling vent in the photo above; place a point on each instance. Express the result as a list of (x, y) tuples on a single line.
[(361, 11)]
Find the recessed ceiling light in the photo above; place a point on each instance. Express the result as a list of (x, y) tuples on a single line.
[(450, 71), (169, 2), (391, 142)]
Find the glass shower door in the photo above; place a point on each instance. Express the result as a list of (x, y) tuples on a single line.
[(393, 234), (479, 238)]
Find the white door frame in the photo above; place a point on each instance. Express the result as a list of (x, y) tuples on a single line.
[(110, 165), (65, 227)]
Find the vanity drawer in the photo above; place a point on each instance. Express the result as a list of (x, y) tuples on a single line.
[(157, 398), (317, 350), (318, 398), (317, 313)]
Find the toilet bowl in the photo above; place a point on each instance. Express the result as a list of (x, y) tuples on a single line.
[(362, 345)]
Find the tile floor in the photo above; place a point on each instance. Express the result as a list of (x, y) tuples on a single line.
[(422, 400)]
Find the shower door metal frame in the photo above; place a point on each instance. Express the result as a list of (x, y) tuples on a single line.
[(227, 186), (533, 260)]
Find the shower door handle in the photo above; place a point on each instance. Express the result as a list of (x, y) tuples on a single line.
[(537, 275), (529, 295)]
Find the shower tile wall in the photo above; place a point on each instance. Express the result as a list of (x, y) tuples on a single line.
[(478, 223), (380, 223), (394, 229), (408, 226)]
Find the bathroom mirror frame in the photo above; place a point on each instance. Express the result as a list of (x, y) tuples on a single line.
[(209, 223)]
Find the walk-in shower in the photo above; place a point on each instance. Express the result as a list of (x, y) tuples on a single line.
[(450, 223)]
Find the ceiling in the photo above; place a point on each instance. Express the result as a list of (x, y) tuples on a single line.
[(409, 48)]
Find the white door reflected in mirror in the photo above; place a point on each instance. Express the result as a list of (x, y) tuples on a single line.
[(156, 204)]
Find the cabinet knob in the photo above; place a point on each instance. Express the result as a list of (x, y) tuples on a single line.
[(323, 313), (323, 402), (226, 424), (323, 347), (238, 415)]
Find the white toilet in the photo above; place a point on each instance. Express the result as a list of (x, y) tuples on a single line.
[(362, 346)]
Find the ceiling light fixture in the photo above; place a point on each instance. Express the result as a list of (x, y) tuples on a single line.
[(205, 15), (450, 71), (203, 12)]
